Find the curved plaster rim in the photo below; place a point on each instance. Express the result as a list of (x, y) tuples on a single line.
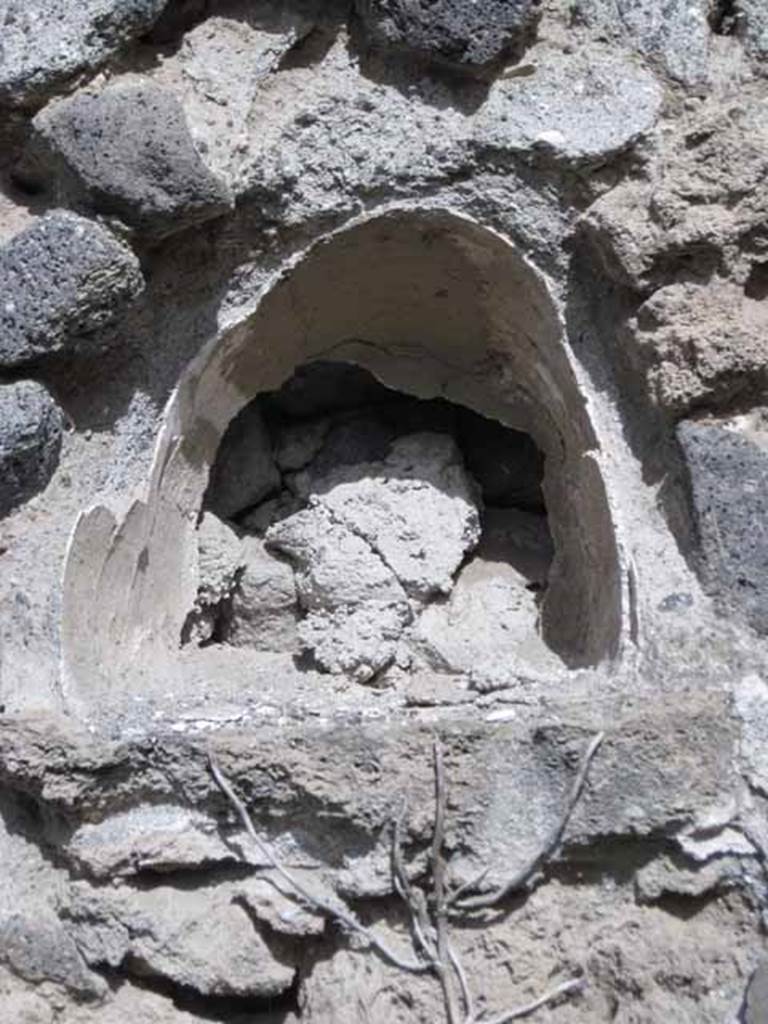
[(140, 581)]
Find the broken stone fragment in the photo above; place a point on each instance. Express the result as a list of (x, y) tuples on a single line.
[(30, 441), (488, 628), (244, 472), (417, 509), (728, 467), (356, 608), (245, 595), (38, 949), (374, 533), (149, 837), (276, 910), (126, 152), (195, 937), (335, 568), (62, 279), (264, 611), (666, 875), (357, 641), (751, 25), (699, 343), (219, 550), (46, 42), (465, 34)]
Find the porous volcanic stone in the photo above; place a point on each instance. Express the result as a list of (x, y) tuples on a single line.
[(60, 279), (44, 43), (127, 151), (729, 480), (752, 27), (473, 35), (674, 35), (30, 440)]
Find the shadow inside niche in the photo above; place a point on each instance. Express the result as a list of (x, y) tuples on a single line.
[(359, 528)]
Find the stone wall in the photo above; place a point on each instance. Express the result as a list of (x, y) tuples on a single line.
[(383, 394)]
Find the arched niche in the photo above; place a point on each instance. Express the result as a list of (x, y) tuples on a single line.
[(432, 304)]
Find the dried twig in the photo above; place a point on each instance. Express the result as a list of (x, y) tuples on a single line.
[(413, 898), (550, 846), (466, 991), (340, 914), (566, 988), (431, 936), (443, 963)]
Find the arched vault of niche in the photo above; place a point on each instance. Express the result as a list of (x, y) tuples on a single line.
[(434, 305)]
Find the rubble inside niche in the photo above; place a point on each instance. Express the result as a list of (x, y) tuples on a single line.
[(359, 529)]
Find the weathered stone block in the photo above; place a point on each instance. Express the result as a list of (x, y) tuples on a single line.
[(61, 279), (752, 27), (30, 440), (729, 481), (464, 33), (45, 43), (674, 35), (195, 938), (127, 152), (264, 607)]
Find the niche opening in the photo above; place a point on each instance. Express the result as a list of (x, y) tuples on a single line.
[(368, 533)]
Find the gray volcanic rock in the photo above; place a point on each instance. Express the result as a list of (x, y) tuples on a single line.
[(127, 152), (244, 594), (356, 607), (752, 26), (219, 551), (45, 43), (60, 279), (30, 440), (488, 629), (700, 343), (335, 567), (674, 35), (463, 33), (417, 509), (37, 948), (376, 533), (264, 608), (729, 480)]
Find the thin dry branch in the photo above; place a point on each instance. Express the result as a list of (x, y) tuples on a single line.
[(412, 897), (431, 934), (566, 988), (459, 901), (466, 991), (444, 962), (339, 914)]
